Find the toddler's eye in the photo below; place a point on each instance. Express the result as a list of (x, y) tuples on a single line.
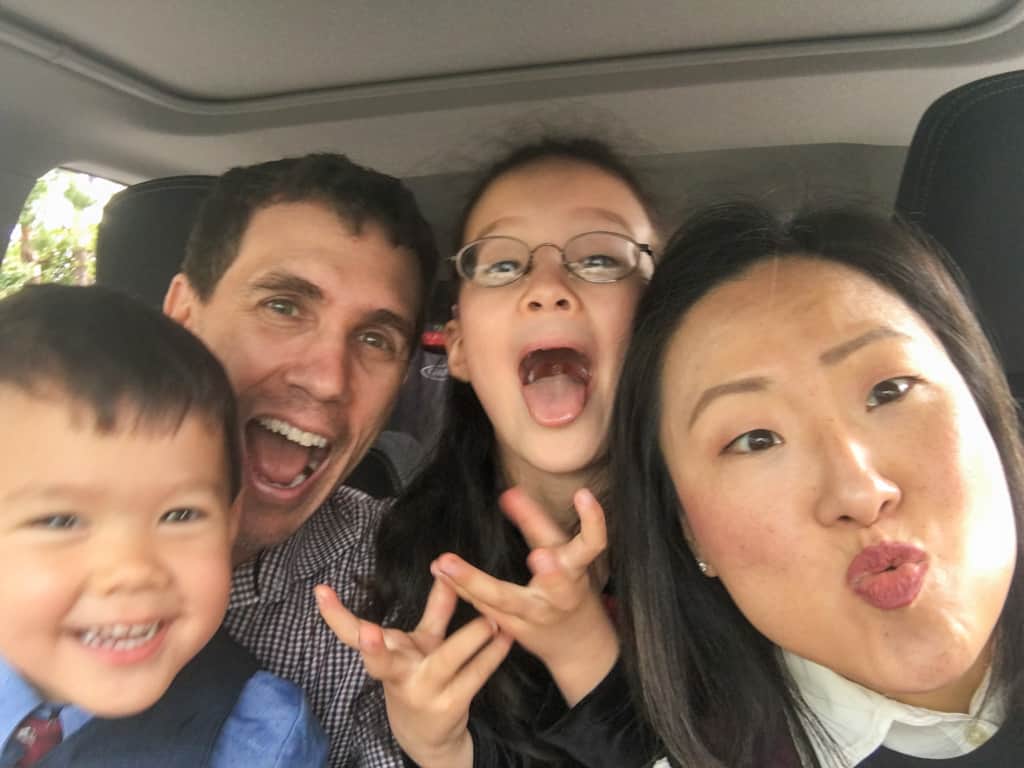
[(57, 522), (754, 440), (181, 515), (890, 390)]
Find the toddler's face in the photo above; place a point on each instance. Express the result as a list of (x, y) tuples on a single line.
[(114, 551)]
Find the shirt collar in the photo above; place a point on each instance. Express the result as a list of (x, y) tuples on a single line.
[(859, 721), (18, 698), (337, 526)]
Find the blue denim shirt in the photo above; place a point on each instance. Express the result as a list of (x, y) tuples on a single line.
[(271, 726)]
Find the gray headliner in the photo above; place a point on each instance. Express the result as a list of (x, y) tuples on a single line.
[(149, 88)]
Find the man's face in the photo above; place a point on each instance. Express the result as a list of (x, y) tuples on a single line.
[(313, 324)]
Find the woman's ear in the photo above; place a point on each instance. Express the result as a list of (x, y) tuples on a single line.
[(456, 350), (705, 567)]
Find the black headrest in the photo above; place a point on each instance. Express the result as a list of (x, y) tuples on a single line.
[(141, 240), (963, 183)]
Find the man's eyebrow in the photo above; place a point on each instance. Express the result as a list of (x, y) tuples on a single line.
[(288, 283), (840, 352), (752, 384)]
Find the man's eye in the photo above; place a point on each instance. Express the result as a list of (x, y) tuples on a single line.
[(285, 307), (57, 522), (382, 345), (754, 440), (181, 515), (890, 390)]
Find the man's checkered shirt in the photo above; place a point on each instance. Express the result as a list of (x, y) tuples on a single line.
[(272, 612)]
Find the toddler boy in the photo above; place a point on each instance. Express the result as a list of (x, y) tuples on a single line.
[(118, 467)]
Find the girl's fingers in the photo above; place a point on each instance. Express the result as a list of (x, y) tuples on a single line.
[(342, 622), (437, 613), (474, 586), (577, 554), (478, 670), (445, 663), (381, 663), (537, 527)]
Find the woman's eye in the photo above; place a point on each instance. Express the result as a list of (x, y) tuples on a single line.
[(890, 390), (754, 440), (59, 522), (181, 515), (284, 307)]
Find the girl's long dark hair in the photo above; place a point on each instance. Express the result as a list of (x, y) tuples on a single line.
[(711, 686), (451, 506)]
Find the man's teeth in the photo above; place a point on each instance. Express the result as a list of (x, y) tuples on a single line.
[(119, 637), (293, 433)]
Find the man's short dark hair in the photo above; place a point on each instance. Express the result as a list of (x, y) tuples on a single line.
[(118, 357), (355, 193)]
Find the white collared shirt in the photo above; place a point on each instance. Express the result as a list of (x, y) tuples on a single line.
[(859, 720)]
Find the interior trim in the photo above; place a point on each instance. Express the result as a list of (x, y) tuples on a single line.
[(64, 56)]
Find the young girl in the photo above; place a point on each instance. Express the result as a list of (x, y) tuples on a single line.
[(557, 247), (818, 485)]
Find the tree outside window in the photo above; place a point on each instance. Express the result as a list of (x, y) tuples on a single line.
[(55, 238)]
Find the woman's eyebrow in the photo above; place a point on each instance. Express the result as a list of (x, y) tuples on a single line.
[(752, 384), (841, 351)]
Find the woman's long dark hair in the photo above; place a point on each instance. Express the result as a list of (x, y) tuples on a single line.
[(451, 506), (713, 688)]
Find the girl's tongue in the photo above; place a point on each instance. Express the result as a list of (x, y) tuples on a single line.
[(554, 385)]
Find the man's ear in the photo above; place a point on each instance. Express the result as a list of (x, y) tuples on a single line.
[(456, 350), (181, 301)]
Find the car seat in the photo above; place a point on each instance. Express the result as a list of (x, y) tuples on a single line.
[(139, 248), (963, 183)]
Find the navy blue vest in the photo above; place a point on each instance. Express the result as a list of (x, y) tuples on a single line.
[(179, 731), (1004, 750)]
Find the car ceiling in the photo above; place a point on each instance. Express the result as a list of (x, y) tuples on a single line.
[(150, 88)]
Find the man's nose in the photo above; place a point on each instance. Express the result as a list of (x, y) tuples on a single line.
[(322, 368), (855, 486), (547, 285)]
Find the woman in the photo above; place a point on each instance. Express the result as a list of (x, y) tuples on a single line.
[(556, 248), (817, 487)]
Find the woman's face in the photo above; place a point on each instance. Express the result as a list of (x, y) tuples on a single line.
[(543, 353), (837, 476)]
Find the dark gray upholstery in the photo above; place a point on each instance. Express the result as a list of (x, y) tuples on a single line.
[(963, 183)]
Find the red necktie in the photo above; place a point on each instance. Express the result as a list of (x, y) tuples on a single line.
[(37, 736)]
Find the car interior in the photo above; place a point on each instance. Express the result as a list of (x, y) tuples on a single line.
[(789, 100)]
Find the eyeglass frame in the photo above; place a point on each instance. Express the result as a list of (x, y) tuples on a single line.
[(643, 248)]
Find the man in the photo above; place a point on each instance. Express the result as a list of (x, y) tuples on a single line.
[(307, 278)]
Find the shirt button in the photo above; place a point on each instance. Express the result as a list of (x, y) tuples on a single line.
[(978, 733)]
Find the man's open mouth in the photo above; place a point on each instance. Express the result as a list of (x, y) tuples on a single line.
[(281, 454), (555, 384)]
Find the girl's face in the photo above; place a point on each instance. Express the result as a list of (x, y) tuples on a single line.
[(838, 478), (543, 353)]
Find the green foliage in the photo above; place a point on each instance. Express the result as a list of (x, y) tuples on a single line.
[(55, 240)]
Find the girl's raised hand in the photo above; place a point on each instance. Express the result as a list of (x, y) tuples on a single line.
[(429, 680), (559, 616)]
